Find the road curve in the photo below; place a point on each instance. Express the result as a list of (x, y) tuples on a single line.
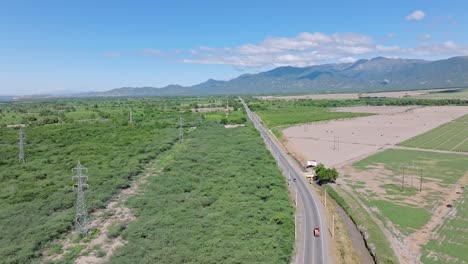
[(310, 249)]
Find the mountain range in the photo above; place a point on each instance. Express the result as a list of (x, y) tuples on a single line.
[(366, 75)]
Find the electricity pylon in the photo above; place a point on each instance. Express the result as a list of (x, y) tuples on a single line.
[(81, 218), (181, 130), (131, 117), (21, 145)]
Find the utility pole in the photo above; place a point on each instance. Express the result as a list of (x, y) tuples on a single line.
[(131, 117), (181, 130), (325, 198), (333, 225), (336, 143), (403, 179), (81, 218), (21, 145), (421, 176)]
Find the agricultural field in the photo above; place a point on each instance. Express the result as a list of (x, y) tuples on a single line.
[(395, 184), (285, 113), (449, 243), (206, 207), (445, 94), (452, 136)]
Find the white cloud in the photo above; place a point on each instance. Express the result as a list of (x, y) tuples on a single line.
[(307, 49), (391, 35), (416, 15), (346, 59)]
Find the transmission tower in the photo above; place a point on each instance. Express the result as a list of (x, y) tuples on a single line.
[(131, 117), (81, 218), (21, 145), (336, 143), (181, 130)]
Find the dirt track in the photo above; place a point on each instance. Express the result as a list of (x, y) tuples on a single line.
[(338, 142)]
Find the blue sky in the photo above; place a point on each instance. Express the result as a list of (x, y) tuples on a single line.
[(53, 46)]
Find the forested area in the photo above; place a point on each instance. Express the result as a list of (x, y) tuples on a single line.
[(115, 138), (220, 199), (37, 196)]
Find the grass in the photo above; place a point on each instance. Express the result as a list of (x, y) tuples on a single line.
[(444, 167), (233, 117), (220, 199), (374, 235), (440, 169), (406, 218), (450, 136), (303, 114), (450, 245), (452, 94)]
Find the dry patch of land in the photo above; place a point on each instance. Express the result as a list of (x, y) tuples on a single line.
[(398, 94), (105, 227), (337, 142)]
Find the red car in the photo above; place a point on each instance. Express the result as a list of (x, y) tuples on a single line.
[(316, 232)]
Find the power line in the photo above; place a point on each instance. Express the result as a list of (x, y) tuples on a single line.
[(81, 217), (21, 145)]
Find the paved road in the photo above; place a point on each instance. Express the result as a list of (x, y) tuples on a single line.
[(310, 249)]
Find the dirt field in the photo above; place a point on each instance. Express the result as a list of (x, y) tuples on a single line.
[(399, 94), (335, 143)]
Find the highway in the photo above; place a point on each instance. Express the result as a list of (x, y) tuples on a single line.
[(309, 249)]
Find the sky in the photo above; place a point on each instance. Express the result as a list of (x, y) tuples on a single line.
[(77, 46)]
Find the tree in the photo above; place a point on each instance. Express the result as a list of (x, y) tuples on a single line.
[(325, 175)]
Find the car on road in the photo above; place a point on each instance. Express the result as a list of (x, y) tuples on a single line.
[(316, 232), (294, 180)]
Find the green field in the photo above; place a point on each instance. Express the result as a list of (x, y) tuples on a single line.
[(450, 245), (220, 199), (440, 172), (439, 169), (305, 114), (375, 236), (450, 136)]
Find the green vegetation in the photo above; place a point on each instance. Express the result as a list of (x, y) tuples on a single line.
[(375, 237), (283, 113), (297, 115), (259, 105), (233, 117), (325, 175), (37, 197), (450, 244), (220, 199), (440, 167), (289, 112), (461, 94), (450, 136), (405, 217)]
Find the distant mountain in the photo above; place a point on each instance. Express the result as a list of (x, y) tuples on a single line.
[(377, 74)]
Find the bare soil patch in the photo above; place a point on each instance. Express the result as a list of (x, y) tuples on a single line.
[(212, 109), (116, 213), (234, 125), (338, 142), (397, 94)]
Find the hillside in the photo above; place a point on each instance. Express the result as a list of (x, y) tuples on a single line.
[(376, 74)]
